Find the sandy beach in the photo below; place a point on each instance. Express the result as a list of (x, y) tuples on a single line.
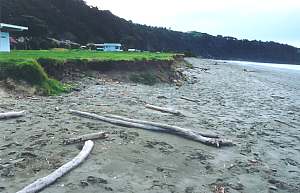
[(258, 108)]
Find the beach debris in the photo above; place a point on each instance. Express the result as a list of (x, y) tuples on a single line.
[(94, 180), (83, 138), (42, 183), (273, 188), (246, 70), (203, 69), (284, 123), (219, 189), (10, 115), (186, 133), (189, 99), (162, 97), (164, 110)]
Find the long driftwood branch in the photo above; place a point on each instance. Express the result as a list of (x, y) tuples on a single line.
[(164, 110), (160, 125), (48, 180), (83, 138), (116, 121), (10, 115), (186, 133)]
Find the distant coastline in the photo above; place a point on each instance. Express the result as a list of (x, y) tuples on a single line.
[(265, 64)]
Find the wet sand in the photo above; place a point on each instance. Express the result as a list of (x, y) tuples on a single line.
[(258, 108)]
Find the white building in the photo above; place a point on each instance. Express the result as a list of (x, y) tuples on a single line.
[(109, 47), (4, 35)]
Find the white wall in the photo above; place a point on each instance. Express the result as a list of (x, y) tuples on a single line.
[(4, 42)]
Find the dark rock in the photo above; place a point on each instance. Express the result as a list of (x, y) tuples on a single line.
[(2, 189), (109, 189), (93, 180)]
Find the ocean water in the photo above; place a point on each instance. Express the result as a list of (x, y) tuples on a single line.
[(271, 65)]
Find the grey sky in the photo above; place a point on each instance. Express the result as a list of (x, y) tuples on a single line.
[(268, 20)]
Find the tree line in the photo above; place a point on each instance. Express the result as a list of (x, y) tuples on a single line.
[(74, 20)]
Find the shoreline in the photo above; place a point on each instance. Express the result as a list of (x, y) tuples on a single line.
[(263, 64)]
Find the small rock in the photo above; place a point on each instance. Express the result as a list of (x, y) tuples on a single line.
[(57, 109)]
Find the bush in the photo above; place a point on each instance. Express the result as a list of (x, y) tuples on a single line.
[(27, 70), (54, 87), (31, 72)]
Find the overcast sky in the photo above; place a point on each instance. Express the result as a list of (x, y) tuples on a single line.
[(277, 20)]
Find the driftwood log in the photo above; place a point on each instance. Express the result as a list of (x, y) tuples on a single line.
[(163, 126), (186, 133), (83, 138), (10, 115), (164, 110), (48, 180), (116, 121)]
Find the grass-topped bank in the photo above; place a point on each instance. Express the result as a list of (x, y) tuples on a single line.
[(41, 68), (64, 55)]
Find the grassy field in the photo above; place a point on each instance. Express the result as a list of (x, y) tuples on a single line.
[(84, 54), (25, 66)]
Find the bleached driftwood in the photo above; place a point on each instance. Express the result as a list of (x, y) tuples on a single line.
[(116, 121), (189, 99), (48, 180), (186, 133), (10, 115), (161, 125), (164, 110), (83, 138)]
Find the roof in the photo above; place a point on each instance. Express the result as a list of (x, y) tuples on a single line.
[(108, 44), (12, 27)]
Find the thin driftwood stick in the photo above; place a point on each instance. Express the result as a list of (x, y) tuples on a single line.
[(83, 138), (164, 110), (160, 125), (48, 180), (178, 131), (191, 100), (10, 115)]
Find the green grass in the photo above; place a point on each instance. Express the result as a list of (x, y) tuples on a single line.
[(28, 65), (64, 55)]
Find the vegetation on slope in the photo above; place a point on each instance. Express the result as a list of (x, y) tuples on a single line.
[(31, 72)]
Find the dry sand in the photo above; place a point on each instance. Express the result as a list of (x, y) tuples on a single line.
[(257, 108)]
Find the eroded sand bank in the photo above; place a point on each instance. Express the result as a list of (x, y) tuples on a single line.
[(258, 108)]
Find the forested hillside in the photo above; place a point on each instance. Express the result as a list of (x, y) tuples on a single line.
[(74, 20)]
